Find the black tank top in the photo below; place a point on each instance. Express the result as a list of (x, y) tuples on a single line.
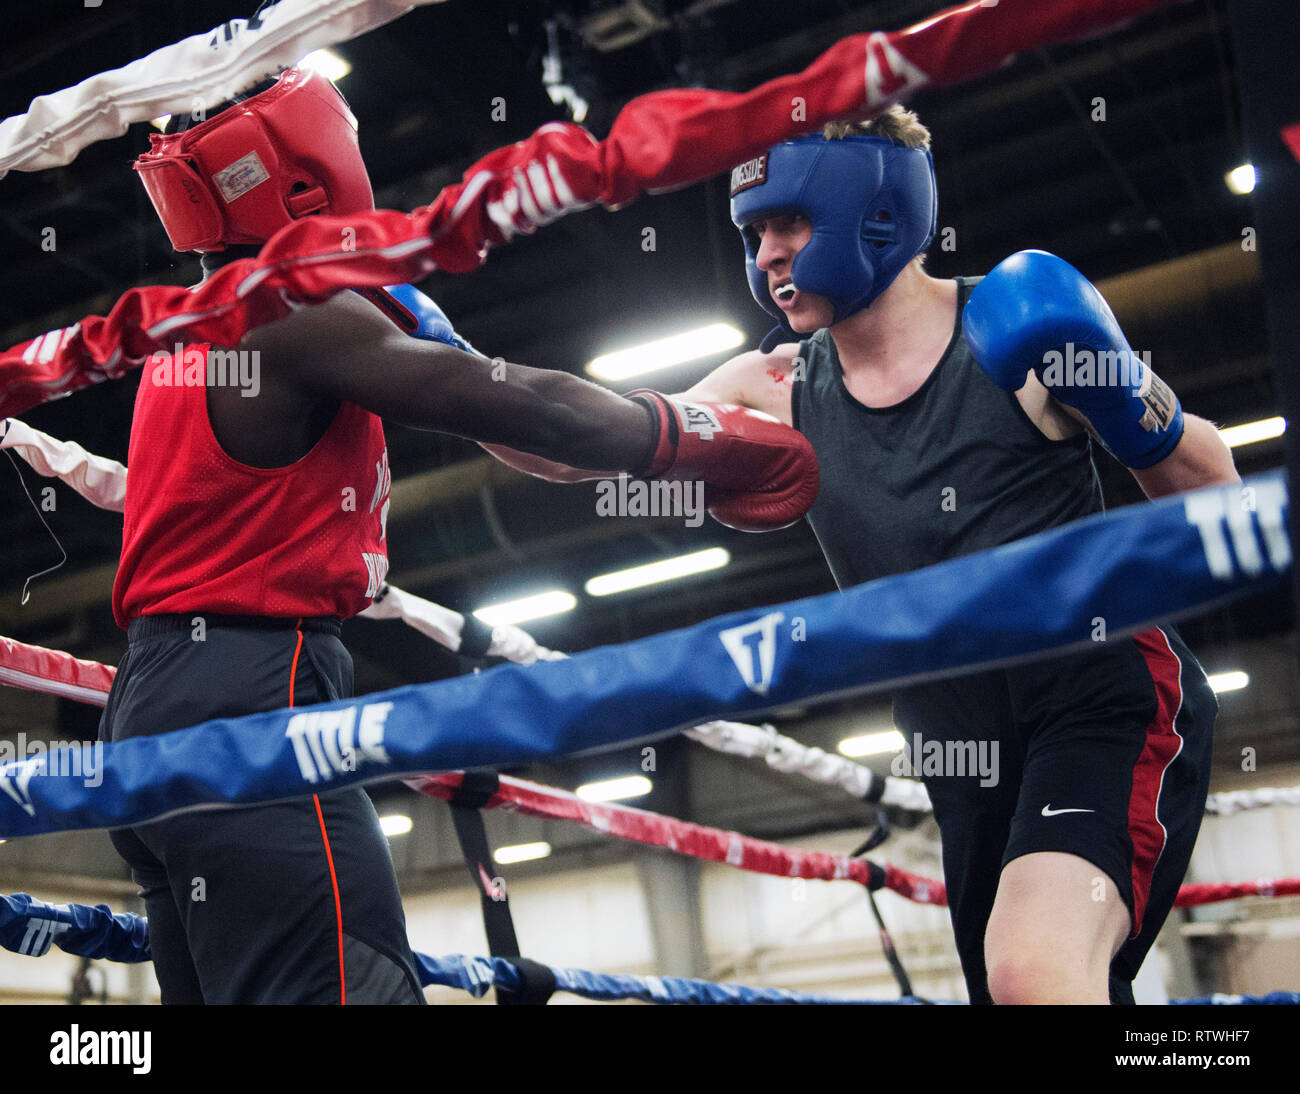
[(954, 468)]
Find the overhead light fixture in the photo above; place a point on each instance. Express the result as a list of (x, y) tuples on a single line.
[(395, 824), (612, 790), (872, 744), (668, 569), (521, 852), (1241, 180), (665, 352), (1234, 436), (328, 63), (525, 608), (1228, 681)]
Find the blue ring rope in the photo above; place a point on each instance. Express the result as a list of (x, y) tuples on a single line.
[(1043, 595)]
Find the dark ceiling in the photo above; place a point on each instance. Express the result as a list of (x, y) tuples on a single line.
[(1110, 152)]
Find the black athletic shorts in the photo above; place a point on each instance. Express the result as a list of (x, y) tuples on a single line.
[(292, 902), (1103, 754)]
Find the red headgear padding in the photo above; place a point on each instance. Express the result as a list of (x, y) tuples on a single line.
[(245, 173)]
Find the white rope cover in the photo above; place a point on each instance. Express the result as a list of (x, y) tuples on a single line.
[(1235, 801), (99, 480), (444, 626), (206, 68), (786, 754)]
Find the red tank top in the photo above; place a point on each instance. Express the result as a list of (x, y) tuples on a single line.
[(205, 533)]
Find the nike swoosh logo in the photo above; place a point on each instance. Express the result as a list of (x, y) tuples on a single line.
[(1048, 811)]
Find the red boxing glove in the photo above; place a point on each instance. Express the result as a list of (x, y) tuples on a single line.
[(761, 474)]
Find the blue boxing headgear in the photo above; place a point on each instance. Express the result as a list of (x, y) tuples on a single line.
[(872, 204)]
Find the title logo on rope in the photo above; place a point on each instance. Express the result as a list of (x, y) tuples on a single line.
[(333, 742), (752, 647), (1252, 515), (15, 776), (41, 932)]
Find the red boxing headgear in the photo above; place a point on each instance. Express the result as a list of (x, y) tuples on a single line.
[(245, 173)]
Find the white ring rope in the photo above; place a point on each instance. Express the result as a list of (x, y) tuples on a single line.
[(206, 68), (786, 754), (1235, 801), (99, 480), (444, 626)]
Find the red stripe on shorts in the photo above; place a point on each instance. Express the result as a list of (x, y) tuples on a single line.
[(1163, 744), (325, 838)]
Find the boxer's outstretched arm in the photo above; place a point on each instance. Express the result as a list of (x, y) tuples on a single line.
[(760, 381), (345, 349), (550, 470)]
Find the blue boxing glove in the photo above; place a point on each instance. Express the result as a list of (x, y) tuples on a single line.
[(432, 322), (1035, 312)]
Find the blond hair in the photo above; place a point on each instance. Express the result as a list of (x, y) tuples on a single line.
[(897, 123)]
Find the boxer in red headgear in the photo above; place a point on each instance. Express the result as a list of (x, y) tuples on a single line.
[(284, 153), (255, 522)]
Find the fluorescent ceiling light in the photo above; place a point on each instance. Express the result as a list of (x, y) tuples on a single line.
[(395, 824), (328, 63), (529, 607), (872, 744), (665, 352), (668, 569), (1228, 681), (1241, 180), (521, 852), (1234, 436), (611, 790)]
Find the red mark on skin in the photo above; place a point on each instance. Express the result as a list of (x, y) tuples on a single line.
[(778, 377)]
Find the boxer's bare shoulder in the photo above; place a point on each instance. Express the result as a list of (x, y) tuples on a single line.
[(760, 381)]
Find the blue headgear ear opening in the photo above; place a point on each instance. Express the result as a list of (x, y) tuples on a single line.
[(881, 229)]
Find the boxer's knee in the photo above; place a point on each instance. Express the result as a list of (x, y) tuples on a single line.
[(1048, 940)]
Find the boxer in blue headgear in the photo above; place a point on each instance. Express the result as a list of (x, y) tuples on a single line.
[(872, 205), (948, 415)]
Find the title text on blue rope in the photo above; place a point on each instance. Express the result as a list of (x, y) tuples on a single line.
[(331, 742)]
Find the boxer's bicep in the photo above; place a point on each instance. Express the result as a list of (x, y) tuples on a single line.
[(543, 412), (344, 349), (349, 352)]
